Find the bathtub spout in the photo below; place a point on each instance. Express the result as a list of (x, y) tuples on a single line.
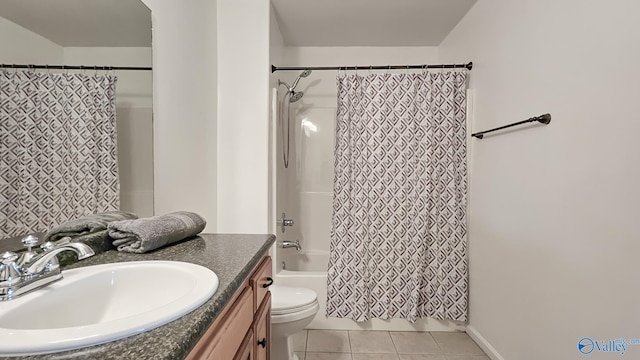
[(289, 244)]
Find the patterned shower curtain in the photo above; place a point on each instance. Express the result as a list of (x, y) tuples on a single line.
[(57, 149), (398, 237)]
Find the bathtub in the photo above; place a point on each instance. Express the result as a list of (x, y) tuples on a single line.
[(310, 261), (308, 268)]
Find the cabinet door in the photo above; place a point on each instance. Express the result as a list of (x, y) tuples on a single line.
[(246, 349), (260, 282), (262, 329), (228, 337)]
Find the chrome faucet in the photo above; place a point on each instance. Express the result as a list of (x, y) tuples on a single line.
[(290, 244), (18, 276), (47, 260)]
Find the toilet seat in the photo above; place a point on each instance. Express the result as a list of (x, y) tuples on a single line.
[(284, 298), (293, 310), (302, 313), (292, 303)]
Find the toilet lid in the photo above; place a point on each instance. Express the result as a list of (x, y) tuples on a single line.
[(287, 297)]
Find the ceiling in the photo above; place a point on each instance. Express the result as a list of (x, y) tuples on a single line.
[(83, 22), (368, 22)]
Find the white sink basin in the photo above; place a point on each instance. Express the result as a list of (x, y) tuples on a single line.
[(102, 303)]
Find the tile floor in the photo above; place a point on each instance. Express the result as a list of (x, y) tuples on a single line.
[(385, 345)]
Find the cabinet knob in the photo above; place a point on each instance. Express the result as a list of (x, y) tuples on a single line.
[(263, 342), (269, 283)]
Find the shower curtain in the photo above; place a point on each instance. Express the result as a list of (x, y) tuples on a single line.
[(398, 237), (57, 149)]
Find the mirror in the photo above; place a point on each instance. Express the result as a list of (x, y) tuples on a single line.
[(89, 33)]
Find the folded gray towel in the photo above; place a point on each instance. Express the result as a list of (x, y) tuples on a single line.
[(146, 234), (87, 225)]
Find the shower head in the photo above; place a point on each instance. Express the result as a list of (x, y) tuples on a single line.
[(304, 74), (295, 96)]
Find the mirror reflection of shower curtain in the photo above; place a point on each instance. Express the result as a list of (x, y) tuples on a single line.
[(57, 149), (398, 237)]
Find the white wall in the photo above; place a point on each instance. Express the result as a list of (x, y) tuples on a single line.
[(21, 46), (553, 230), (134, 100), (243, 116), (278, 193), (184, 90), (310, 180)]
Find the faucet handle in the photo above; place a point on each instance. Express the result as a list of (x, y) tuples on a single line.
[(9, 271), (47, 246), (29, 241), (8, 257)]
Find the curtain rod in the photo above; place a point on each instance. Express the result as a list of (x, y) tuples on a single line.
[(72, 67), (467, 66)]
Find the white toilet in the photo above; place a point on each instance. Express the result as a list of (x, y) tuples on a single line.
[(292, 308)]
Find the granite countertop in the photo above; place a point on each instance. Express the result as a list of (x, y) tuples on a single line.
[(231, 257)]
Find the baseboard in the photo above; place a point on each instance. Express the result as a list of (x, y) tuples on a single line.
[(483, 343)]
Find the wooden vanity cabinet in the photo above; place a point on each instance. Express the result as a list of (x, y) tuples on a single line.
[(262, 330), (246, 351), (242, 331)]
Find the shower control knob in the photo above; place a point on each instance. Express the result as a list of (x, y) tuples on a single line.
[(285, 222)]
